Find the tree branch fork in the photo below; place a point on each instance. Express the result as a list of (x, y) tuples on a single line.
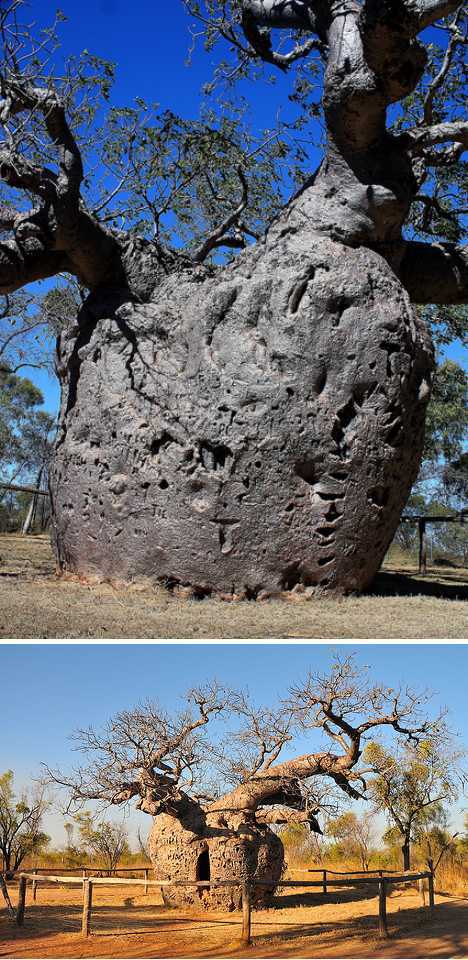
[(161, 762), (361, 45)]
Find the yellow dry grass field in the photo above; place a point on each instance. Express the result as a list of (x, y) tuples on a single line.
[(35, 604), (126, 923)]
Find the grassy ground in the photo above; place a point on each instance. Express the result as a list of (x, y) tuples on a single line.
[(34, 604), (126, 923)]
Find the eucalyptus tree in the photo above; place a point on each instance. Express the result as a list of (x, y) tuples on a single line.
[(255, 425), (214, 796), (21, 822), (411, 786)]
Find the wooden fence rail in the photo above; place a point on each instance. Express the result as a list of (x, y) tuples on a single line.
[(89, 869), (88, 883)]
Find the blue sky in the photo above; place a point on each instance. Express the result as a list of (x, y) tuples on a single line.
[(149, 43), (51, 689), (150, 49)]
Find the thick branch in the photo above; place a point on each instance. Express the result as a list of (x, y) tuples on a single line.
[(281, 783), (91, 251), (18, 268), (260, 41), (284, 815), (424, 12), (289, 14), (21, 96), (418, 138), (435, 272)]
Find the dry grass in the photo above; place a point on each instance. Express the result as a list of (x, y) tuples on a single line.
[(451, 876), (35, 604), (299, 924)]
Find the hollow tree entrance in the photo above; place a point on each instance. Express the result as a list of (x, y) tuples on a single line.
[(203, 873), (203, 866)]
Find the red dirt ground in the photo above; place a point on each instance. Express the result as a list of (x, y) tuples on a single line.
[(125, 923)]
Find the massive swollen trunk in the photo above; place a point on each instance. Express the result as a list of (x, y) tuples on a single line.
[(249, 427), (215, 850)]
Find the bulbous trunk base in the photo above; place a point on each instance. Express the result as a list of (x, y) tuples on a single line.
[(214, 853), (246, 431)]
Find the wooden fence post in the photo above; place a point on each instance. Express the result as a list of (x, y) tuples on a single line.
[(21, 901), (422, 892), (87, 907), (324, 882), (246, 913), (383, 928), (431, 891), (146, 881), (34, 885), (422, 547)]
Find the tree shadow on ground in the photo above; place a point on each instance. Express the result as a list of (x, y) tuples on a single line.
[(408, 922), (444, 935), (402, 584), (309, 898)]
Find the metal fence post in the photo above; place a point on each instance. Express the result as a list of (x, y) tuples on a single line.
[(324, 882), (87, 907), (34, 886), (246, 913), (146, 881), (383, 928), (21, 901)]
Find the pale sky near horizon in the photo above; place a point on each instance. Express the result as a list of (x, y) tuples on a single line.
[(52, 689)]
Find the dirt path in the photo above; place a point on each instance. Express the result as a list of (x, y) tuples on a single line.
[(34, 604), (125, 924)]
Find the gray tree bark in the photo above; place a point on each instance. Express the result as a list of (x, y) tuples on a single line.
[(252, 427)]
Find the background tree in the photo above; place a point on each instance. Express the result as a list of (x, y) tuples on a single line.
[(107, 841), (447, 422), (410, 787), (355, 836), (25, 430), (21, 820), (26, 440), (434, 841)]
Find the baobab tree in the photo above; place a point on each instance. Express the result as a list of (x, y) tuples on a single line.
[(213, 799), (258, 425)]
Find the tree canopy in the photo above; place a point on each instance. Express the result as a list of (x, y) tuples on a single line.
[(21, 819), (212, 182), (166, 763)]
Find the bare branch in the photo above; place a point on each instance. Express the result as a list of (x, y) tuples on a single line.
[(221, 234), (455, 38)]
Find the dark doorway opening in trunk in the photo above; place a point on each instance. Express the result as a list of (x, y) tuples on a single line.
[(203, 866), (203, 872)]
